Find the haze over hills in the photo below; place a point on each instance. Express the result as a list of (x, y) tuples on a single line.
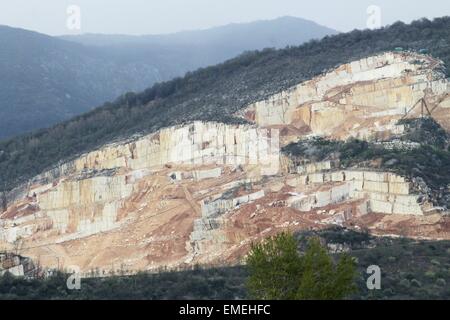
[(51, 79), (277, 33)]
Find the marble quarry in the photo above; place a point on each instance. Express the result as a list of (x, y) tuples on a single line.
[(362, 99), (202, 192)]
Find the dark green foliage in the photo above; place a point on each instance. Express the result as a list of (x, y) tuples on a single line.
[(213, 93), (275, 269), (314, 150), (321, 279), (354, 239), (410, 269), (407, 271), (214, 283), (278, 272), (425, 131)]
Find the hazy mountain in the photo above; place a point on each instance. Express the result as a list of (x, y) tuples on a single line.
[(49, 79), (276, 33)]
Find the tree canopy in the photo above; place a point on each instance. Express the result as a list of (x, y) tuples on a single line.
[(278, 272)]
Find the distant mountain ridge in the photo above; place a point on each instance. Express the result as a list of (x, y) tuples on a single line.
[(51, 79), (277, 33)]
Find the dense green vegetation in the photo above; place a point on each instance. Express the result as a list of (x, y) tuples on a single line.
[(425, 131), (213, 93), (409, 270), (278, 272), (315, 149), (215, 283)]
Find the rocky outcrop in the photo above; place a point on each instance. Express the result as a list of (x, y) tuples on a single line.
[(16, 265), (363, 99), (385, 192)]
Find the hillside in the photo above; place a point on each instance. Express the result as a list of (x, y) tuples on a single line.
[(200, 192), (214, 93), (51, 79), (195, 170)]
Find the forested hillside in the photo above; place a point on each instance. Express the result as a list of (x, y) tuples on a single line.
[(47, 79), (213, 93)]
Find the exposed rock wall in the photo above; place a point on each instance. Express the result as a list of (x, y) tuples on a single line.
[(198, 144), (220, 206), (362, 99), (386, 192), (15, 264), (86, 197)]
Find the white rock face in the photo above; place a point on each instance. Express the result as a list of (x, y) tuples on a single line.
[(220, 206), (208, 174), (85, 198), (386, 192), (383, 87), (198, 144)]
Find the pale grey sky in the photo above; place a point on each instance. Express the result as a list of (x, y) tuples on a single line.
[(166, 16)]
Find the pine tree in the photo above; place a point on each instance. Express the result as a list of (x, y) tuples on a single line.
[(317, 278), (278, 272), (274, 267), (321, 279)]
